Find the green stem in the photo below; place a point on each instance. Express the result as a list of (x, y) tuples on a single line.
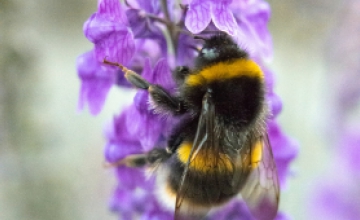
[(170, 26)]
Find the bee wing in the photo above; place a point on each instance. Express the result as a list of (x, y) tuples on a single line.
[(261, 190), (204, 138)]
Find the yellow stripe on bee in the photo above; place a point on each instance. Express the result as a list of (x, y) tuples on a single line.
[(205, 160), (256, 154), (225, 70)]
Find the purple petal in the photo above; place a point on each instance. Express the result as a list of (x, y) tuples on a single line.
[(275, 105), (253, 22), (141, 122), (119, 129), (274, 101), (130, 177), (146, 49), (145, 127), (151, 132), (147, 72), (113, 10), (225, 2), (141, 25), (141, 100), (125, 201), (284, 150), (150, 6), (145, 28), (121, 201), (185, 50), (133, 121), (223, 18), (117, 47), (96, 80), (108, 30), (269, 78), (198, 16), (139, 201), (148, 130), (161, 41), (115, 151), (98, 27), (120, 142), (121, 81), (162, 74)]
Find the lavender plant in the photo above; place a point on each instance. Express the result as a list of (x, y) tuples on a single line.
[(152, 37)]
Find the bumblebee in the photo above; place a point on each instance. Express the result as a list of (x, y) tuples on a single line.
[(220, 150)]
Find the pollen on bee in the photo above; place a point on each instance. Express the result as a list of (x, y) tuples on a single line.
[(205, 160), (256, 154)]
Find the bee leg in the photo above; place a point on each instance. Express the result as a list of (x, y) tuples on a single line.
[(158, 155), (131, 76), (161, 98), (180, 73), (164, 101), (136, 80), (155, 156), (184, 129)]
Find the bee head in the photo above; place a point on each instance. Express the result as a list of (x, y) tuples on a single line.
[(218, 48)]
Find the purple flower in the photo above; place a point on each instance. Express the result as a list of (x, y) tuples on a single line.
[(186, 51), (125, 202), (245, 20), (145, 49), (109, 30), (284, 150), (150, 6), (143, 27), (120, 142), (96, 81), (134, 35), (252, 21), (138, 129), (201, 12), (143, 123), (274, 102)]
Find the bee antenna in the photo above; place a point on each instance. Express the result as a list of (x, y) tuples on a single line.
[(198, 37)]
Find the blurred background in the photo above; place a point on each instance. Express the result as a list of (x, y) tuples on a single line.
[(51, 155)]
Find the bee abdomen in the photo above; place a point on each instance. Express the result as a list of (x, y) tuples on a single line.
[(204, 189), (209, 180), (205, 161)]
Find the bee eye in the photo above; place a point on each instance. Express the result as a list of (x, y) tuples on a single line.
[(209, 53)]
